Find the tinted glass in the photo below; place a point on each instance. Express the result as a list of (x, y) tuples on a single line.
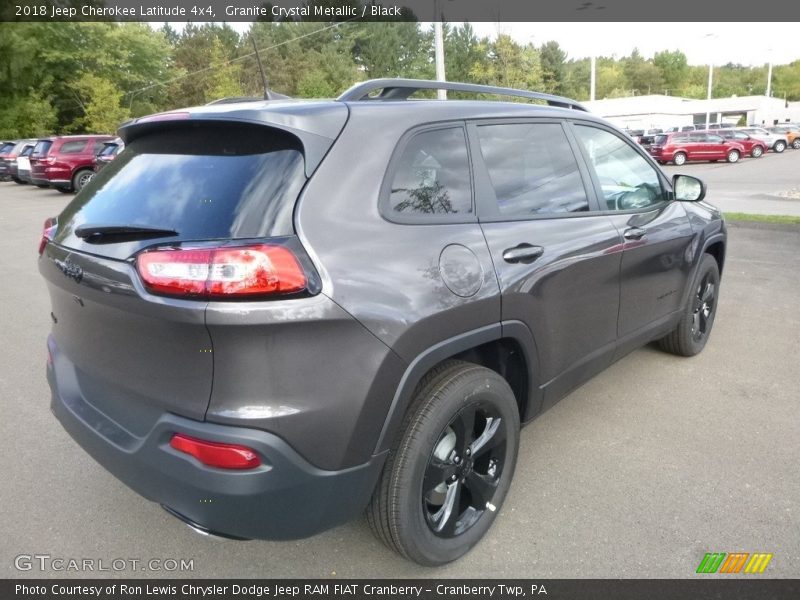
[(42, 147), (627, 180), (714, 139), (432, 176), (660, 140), (532, 169), (107, 150), (210, 183), (98, 146), (739, 135), (27, 151), (697, 137), (6, 147), (75, 147)]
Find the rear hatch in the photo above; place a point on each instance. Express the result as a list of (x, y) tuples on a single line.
[(124, 348), (39, 158)]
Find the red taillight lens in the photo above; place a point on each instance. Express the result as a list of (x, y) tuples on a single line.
[(48, 231), (222, 272), (216, 454)]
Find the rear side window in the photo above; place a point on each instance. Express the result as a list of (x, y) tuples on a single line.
[(532, 169), (214, 182), (75, 147), (432, 175)]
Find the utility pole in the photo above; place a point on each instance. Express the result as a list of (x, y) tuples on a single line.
[(438, 36), (769, 78), (708, 100)]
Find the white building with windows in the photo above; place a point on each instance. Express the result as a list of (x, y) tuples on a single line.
[(657, 111)]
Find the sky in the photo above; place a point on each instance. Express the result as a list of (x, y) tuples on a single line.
[(720, 43), (743, 43)]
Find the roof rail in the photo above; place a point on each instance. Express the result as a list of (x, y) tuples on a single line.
[(401, 89)]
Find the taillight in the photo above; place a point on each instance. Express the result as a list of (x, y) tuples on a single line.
[(48, 231), (216, 454), (226, 272)]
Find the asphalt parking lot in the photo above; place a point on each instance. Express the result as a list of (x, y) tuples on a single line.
[(767, 185), (638, 473)]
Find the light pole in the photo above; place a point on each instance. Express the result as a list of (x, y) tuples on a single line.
[(769, 74), (710, 80), (438, 46), (592, 77)]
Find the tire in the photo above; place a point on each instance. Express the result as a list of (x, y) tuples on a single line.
[(19, 181), (733, 156), (44, 186), (64, 190), (796, 143), (679, 159), (431, 468), (692, 331), (81, 178), (779, 146), (756, 152)]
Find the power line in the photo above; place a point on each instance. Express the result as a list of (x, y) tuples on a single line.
[(233, 60)]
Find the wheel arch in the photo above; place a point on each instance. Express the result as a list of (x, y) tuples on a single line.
[(508, 348)]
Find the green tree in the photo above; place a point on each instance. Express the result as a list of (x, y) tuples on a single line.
[(553, 67), (674, 69), (509, 64), (100, 100)]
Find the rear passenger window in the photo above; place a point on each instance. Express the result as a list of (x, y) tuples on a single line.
[(72, 147), (627, 180), (432, 176), (532, 169)]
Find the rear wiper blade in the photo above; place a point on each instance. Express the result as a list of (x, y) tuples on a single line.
[(98, 234)]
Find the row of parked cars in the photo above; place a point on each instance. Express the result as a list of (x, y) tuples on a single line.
[(65, 163), (679, 145)]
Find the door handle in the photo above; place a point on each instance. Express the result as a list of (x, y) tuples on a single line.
[(634, 233), (523, 253)]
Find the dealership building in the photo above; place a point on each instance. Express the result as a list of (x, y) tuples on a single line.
[(657, 111)]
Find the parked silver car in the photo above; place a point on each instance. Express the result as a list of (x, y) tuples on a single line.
[(774, 141)]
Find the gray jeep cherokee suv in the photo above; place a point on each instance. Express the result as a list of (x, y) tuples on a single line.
[(269, 316)]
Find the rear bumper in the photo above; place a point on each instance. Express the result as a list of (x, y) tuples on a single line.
[(284, 498)]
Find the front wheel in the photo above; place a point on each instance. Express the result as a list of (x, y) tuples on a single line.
[(757, 151), (679, 159), (448, 474), (796, 144), (779, 146), (733, 156), (691, 334)]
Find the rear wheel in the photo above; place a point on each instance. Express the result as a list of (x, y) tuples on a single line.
[(64, 190), (691, 334), (733, 156), (779, 146), (81, 178), (447, 477), (19, 181), (679, 159), (796, 144), (757, 151)]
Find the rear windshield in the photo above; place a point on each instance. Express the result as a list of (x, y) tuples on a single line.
[(660, 140), (6, 147), (108, 150), (42, 147), (214, 182)]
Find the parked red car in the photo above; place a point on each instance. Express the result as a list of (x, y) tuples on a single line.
[(66, 162), (695, 146), (752, 146)]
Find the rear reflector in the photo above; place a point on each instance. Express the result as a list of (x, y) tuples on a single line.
[(216, 454), (48, 231), (226, 272)]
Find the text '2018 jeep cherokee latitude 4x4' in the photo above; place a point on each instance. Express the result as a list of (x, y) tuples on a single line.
[(266, 305)]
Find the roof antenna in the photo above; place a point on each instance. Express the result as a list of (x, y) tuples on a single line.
[(260, 68)]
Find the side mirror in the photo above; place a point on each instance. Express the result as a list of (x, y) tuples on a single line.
[(688, 189)]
